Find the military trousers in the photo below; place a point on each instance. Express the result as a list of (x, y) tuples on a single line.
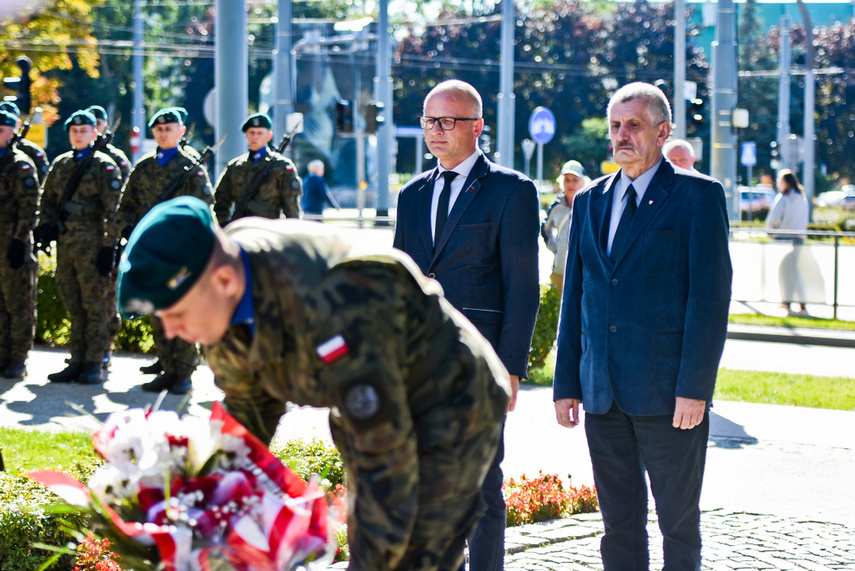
[(17, 305), (176, 356), (83, 290)]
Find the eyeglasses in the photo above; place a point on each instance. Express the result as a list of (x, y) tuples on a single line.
[(445, 123)]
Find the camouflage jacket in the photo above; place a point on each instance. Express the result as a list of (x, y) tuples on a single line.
[(120, 158), (92, 205), (278, 192), (147, 181), (38, 156), (406, 377), (19, 195)]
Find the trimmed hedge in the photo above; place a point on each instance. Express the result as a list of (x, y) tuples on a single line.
[(546, 326)]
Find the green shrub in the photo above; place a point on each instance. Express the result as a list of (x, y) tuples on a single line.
[(546, 326), (315, 457)]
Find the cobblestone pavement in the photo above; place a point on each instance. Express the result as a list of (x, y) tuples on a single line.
[(731, 541)]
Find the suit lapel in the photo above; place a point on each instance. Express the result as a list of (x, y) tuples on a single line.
[(601, 213), (467, 195), (425, 197), (655, 196)]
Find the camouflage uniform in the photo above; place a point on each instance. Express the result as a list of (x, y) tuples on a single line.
[(121, 160), (142, 191), (279, 191), (19, 194), (417, 401), (82, 287), (37, 156)]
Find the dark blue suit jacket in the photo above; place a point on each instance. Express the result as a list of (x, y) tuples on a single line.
[(651, 325), (486, 259)]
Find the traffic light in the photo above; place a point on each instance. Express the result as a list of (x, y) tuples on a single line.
[(344, 116), (694, 114), (374, 118), (21, 86)]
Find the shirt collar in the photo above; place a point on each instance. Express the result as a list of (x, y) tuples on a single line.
[(164, 156), (464, 168), (79, 154), (258, 155), (640, 184), (245, 312)]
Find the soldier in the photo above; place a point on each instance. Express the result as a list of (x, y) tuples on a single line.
[(170, 170), (19, 194), (32, 150), (81, 194), (115, 153), (259, 183), (287, 311)]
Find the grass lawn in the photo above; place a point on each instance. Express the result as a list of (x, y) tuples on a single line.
[(790, 321), (26, 450)]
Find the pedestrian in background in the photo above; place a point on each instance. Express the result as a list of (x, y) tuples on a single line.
[(556, 228), (642, 329), (155, 173), (473, 226), (260, 183), (680, 153), (316, 193), (19, 195), (287, 310), (76, 213), (789, 211)]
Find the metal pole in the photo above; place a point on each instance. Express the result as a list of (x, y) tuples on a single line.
[(539, 163), (784, 95), (810, 104), (383, 94), (283, 79), (680, 69), (231, 78), (836, 267), (505, 123), (725, 72), (138, 112)]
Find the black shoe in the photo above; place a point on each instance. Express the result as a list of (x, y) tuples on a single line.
[(15, 369), (161, 382), (68, 375), (107, 360), (182, 386), (90, 374), (4, 362), (153, 369)]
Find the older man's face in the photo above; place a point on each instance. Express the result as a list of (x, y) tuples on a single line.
[(681, 157), (636, 140)]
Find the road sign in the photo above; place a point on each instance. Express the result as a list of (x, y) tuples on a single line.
[(541, 125), (749, 154)]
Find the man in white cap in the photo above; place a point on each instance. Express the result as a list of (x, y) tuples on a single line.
[(556, 228)]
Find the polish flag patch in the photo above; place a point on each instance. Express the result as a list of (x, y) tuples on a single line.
[(332, 349)]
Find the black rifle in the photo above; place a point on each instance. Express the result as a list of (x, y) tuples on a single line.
[(13, 142), (181, 178), (255, 185), (73, 182)]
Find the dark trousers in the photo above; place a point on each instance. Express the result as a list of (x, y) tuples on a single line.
[(487, 544), (622, 446)]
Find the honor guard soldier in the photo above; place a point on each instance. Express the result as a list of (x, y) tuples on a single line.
[(29, 148), (288, 311), (19, 194), (260, 183), (81, 194), (169, 171)]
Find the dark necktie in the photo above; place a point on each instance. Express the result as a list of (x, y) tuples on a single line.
[(625, 219), (442, 207)]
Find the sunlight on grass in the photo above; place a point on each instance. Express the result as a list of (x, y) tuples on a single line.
[(781, 388), (790, 321)]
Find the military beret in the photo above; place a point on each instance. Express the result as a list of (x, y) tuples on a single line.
[(166, 254), (80, 117), (259, 120), (98, 112), (10, 107), (7, 119), (168, 115)]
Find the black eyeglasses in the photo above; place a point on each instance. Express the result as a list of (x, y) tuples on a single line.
[(445, 123)]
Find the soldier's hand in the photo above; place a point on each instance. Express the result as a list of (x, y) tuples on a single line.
[(16, 253), (46, 233), (105, 259)]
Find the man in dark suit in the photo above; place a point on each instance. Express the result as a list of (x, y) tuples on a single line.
[(473, 226), (643, 324)]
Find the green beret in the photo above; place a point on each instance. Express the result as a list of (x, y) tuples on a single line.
[(168, 115), (259, 120), (80, 118), (8, 120), (98, 112), (166, 254), (10, 107)]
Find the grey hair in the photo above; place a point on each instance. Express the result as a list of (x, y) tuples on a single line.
[(315, 166), (678, 143), (657, 104), (458, 87)]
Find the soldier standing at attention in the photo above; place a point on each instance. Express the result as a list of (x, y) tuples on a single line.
[(270, 179), (19, 194), (75, 211), (288, 311), (153, 180), (29, 148), (115, 153)]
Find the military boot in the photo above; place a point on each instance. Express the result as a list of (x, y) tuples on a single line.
[(68, 375), (161, 382), (152, 369), (4, 362), (15, 369), (90, 374)]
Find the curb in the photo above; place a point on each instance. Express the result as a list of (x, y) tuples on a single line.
[(798, 336)]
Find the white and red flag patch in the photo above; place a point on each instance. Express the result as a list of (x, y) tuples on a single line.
[(332, 349)]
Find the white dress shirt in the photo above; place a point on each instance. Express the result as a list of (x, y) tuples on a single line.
[(462, 170)]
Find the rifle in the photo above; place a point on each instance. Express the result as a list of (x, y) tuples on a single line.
[(178, 181), (255, 185), (73, 182), (13, 142)]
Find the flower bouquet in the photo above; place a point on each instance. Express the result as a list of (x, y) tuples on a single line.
[(195, 494)]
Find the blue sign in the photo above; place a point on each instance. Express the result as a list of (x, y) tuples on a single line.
[(541, 125), (749, 154)]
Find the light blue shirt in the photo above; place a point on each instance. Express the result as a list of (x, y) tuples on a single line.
[(619, 194)]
